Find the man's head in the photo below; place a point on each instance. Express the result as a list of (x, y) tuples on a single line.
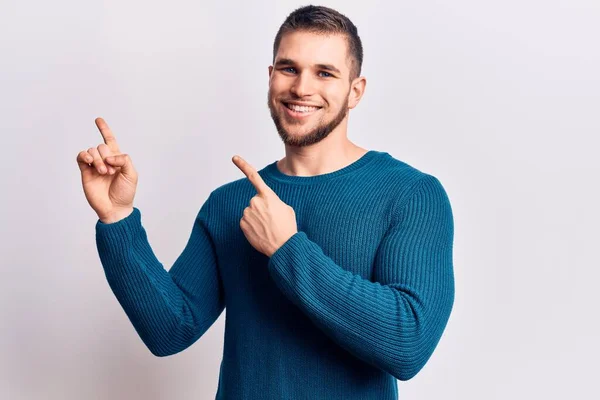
[(317, 59)]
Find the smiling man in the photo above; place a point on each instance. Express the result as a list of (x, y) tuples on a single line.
[(334, 263)]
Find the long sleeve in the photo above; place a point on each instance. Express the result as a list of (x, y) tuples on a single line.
[(172, 309), (395, 321)]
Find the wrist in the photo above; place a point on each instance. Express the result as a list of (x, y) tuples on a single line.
[(116, 215)]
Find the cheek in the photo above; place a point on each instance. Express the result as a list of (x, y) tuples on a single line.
[(276, 84), (275, 93), (334, 96)]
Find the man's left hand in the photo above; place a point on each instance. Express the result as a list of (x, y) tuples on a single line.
[(267, 222)]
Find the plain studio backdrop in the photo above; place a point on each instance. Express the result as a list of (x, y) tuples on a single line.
[(498, 99)]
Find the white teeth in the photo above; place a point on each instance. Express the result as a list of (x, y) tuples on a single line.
[(301, 108)]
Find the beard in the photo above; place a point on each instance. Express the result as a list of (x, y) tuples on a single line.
[(315, 135)]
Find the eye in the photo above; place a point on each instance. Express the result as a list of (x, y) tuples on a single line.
[(288, 68), (328, 74)]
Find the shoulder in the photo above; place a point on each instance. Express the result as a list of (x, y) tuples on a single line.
[(231, 194), (223, 196), (402, 177), (406, 182), (238, 188)]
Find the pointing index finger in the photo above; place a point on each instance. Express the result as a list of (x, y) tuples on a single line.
[(252, 175), (107, 135)]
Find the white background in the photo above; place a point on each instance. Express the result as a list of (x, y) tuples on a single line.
[(498, 99)]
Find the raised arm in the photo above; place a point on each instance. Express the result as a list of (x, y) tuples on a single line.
[(172, 309)]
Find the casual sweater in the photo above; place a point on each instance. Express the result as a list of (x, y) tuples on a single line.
[(357, 299)]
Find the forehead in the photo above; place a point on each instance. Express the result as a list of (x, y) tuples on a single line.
[(307, 48)]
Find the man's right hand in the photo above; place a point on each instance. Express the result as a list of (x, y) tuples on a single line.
[(108, 177)]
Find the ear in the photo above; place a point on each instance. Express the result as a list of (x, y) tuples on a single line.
[(270, 71), (357, 89)]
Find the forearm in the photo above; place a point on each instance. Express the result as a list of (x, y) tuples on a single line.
[(154, 303), (393, 327)]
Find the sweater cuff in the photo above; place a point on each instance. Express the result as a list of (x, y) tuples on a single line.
[(295, 245), (120, 234)]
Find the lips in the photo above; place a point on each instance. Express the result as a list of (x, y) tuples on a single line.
[(301, 107), (299, 112)]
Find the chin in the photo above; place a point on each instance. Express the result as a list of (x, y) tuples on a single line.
[(298, 130)]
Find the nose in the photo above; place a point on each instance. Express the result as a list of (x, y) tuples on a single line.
[(302, 86)]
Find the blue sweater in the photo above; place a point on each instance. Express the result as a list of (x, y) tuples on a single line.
[(358, 298)]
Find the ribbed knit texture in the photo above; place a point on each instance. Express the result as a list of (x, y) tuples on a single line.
[(358, 298)]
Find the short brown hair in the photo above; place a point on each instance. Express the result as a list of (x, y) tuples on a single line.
[(324, 20)]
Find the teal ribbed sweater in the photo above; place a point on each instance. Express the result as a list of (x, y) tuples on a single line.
[(357, 298)]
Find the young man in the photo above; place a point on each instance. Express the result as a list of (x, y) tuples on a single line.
[(334, 263)]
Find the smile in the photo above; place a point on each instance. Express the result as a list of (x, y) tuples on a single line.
[(300, 111)]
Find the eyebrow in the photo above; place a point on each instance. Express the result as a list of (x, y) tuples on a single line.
[(326, 67)]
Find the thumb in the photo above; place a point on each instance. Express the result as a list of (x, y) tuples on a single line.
[(123, 161)]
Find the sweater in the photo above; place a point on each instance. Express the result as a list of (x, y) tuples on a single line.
[(354, 301)]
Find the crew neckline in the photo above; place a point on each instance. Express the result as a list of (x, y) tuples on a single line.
[(272, 171)]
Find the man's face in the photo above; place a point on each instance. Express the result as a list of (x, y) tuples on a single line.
[(309, 87)]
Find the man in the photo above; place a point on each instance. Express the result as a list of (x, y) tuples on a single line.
[(334, 263)]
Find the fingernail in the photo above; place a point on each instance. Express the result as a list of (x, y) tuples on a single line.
[(103, 169)]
